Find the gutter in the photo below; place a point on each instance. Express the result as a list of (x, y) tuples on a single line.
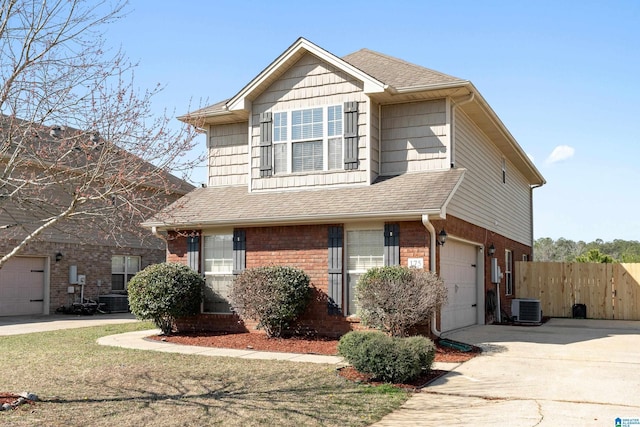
[(329, 218)]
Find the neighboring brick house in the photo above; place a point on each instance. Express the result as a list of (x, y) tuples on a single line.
[(336, 165), (48, 273)]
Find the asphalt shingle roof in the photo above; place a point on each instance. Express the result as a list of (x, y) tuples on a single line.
[(396, 72), (403, 195)]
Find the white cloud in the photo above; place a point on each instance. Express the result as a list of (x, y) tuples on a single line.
[(560, 153)]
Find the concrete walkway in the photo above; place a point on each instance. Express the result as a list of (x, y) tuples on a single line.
[(568, 372)]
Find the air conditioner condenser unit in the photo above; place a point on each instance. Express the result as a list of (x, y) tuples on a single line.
[(526, 310)]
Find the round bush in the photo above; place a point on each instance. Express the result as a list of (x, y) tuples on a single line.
[(389, 359), (394, 299), (165, 292), (273, 296)]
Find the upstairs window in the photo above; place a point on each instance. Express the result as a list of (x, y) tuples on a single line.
[(308, 139)]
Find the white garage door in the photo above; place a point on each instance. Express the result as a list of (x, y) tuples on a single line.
[(22, 286), (457, 268)]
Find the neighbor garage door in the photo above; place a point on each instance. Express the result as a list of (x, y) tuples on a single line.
[(22, 286), (458, 270)]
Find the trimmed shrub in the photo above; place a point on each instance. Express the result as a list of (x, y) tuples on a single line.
[(165, 292), (273, 296), (394, 299), (389, 359)]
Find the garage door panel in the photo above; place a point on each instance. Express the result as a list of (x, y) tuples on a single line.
[(22, 286), (457, 268)]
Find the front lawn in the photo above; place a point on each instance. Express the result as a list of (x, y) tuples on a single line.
[(81, 383)]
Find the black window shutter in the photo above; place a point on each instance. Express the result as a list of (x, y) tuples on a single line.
[(193, 252), (351, 135), (392, 244), (239, 251), (266, 147), (335, 270)]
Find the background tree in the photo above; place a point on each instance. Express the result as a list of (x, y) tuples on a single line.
[(564, 250), (79, 147), (594, 255)]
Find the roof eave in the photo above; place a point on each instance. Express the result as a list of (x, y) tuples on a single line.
[(297, 220)]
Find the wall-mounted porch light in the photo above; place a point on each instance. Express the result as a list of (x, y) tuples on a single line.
[(442, 238), (59, 257), (492, 250)]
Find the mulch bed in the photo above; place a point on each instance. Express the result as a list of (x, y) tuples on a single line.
[(314, 345)]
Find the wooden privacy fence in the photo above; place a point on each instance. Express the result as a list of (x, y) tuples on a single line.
[(609, 291)]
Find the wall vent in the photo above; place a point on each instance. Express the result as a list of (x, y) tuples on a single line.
[(526, 310)]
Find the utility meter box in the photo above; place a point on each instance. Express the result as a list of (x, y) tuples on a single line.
[(496, 274)]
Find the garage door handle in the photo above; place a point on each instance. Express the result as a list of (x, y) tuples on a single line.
[(474, 305), (36, 300)]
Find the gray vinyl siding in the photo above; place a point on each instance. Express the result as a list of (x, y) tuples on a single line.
[(309, 83), (414, 137), (228, 153), (374, 142), (482, 198)]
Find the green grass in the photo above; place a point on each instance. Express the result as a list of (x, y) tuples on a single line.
[(82, 383)]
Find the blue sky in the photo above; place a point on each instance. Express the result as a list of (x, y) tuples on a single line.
[(562, 76)]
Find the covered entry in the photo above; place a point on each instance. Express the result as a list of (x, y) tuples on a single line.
[(458, 269), (22, 286)]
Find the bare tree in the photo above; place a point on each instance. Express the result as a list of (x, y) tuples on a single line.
[(79, 146)]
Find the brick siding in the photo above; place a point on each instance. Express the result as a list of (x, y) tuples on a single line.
[(94, 261), (305, 247)]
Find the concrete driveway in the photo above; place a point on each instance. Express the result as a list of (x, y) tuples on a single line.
[(567, 372), (15, 325)]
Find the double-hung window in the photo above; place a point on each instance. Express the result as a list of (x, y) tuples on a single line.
[(308, 139), (508, 272), (218, 271), (123, 268), (365, 250)]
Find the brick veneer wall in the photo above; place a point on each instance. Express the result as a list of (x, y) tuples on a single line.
[(94, 261), (457, 227), (305, 247)]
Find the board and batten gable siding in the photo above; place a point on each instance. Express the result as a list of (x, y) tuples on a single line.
[(310, 82), (482, 198), (415, 137), (228, 153)]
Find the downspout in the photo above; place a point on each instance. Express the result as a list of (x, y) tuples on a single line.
[(155, 232), (379, 139), (432, 263)]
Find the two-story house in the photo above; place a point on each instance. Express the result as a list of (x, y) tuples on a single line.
[(336, 165)]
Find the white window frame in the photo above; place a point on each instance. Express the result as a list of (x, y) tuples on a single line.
[(225, 270), (127, 271), (283, 135), (350, 308), (508, 272)]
